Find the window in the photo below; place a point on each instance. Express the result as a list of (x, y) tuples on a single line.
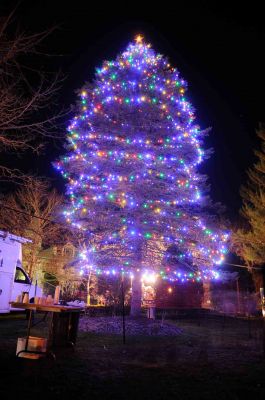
[(21, 277)]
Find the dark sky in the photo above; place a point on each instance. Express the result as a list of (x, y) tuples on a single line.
[(217, 49)]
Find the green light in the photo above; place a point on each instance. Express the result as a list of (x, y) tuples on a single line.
[(145, 205), (148, 235), (161, 175)]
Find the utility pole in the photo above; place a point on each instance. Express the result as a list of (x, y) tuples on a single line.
[(123, 308), (238, 295)]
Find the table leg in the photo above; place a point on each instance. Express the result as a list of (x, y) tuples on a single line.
[(27, 341), (28, 329)]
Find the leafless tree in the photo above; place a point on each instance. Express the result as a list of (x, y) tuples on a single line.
[(27, 94), (32, 211)]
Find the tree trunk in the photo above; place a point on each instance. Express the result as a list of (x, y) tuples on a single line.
[(88, 288), (136, 295), (136, 300), (258, 276), (258, 279)]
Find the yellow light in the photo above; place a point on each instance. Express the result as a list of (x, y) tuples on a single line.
[(169, 290), (158, 210), (139, 38), (149, 277)]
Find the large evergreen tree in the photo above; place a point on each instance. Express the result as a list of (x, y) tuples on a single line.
[(132, 173), (250, 241)]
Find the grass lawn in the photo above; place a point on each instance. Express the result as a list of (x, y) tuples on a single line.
[(213, 358)]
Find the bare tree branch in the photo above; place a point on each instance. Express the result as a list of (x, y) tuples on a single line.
[(28, 112)]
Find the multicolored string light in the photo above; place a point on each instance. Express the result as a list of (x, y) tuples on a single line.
[(132, 171)]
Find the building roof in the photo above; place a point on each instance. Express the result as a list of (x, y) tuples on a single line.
[(4, 235)]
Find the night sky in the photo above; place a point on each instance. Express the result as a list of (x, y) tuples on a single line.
[(217, 49)]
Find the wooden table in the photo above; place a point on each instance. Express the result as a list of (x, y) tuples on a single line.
[(63, 327)]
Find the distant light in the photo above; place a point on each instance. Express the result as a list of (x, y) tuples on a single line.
[(169, 290), (149, 277)]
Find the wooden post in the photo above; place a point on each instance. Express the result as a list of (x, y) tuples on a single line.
[(207, 296)]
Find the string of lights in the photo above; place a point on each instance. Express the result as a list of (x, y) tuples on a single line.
[(132, 171)]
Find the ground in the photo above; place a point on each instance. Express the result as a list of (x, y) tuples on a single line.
[(212, 356)]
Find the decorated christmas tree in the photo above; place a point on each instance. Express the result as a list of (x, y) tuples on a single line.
[(133, 183)]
